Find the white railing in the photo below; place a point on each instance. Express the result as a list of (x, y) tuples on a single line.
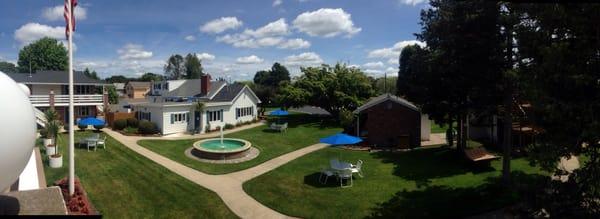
[(83, 99), (40, 117)]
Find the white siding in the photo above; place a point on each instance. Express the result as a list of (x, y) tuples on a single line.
[(176, 127), (425, 127)]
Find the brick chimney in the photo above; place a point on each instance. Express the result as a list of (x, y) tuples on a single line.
[(204, 84)]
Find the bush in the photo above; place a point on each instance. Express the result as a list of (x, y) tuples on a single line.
[(82, 127), (133, 122), (147, 128), (44, 133), (98, 127), (229, 126), (119, 124)]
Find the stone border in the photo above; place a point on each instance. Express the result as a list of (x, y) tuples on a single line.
[(252, 153)]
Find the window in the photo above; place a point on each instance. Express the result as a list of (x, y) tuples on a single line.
[(144, 116), (214, 115), (83, 111), (244, 111), (179, 117)]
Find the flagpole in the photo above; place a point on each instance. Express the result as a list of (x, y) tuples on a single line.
[(71, 108)]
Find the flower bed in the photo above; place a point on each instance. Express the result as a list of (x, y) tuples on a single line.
[(78, 204)]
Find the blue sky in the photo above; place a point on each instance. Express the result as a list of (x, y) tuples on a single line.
[(233, 38)]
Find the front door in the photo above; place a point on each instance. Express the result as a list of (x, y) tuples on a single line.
[(197, 123)]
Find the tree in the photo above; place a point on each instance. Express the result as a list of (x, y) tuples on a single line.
[(331, 88), (92, 74), (559, 47), (117, 79), (175, 67), (466, 60), (385, 85), (113, 96), (193, 66), (148, 76), (7, 67), (43, 54), (267, 83)]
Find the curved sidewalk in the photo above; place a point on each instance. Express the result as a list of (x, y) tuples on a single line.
[(227, 186)]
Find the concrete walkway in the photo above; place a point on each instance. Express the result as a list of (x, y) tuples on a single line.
[(227, 186)]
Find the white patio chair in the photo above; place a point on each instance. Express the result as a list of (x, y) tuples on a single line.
[(345, 174), (325, 172), (334, 163), (102, 142), (358, 168), (92, 144)]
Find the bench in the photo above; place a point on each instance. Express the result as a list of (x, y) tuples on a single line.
[(480, 155)]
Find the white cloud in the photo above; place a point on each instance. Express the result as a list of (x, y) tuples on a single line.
[(391, 70), (221, 24), (326, 22), (304, 59), (31, 32), (373, 65), (133, 52), (205, 56), (57, 12), (294, 44), (190, 38), (393, 61), (412, 2), (275, 28), (373, 72), (277, 3), (91, 64), (353, 66), (253, 59), (394, 51)]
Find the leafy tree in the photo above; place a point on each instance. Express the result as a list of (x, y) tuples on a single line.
[(175, 67), (117, 79), (148, 76), (331, 88), (385, 85), (91, 74), (267, 83), (559, 49), (43, 54), (193, 66), (7, 67), (113, 96)]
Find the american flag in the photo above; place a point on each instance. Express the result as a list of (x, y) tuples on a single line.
[(72, 15)]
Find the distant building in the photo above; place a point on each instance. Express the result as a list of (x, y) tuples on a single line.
[(49, 89), (120, 87), (388, 120), (137, 89)]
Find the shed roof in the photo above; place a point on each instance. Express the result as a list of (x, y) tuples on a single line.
[(382, 98), (139, 84)]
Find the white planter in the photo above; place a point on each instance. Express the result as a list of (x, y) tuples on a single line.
[(56, 162), (50, 150), (47, 141)]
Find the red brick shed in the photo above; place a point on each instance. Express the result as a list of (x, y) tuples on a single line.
[(388, 120)]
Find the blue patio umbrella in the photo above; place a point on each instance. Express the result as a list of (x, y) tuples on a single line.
[(340, 139), (279, 112), (91, 121)]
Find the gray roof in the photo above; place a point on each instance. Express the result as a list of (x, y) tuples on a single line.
[(191, 88), (53, 77), (382, 98), (139, 84), (228, 93)]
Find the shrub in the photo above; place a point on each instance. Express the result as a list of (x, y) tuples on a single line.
[(119, 124), (82, 127), (132, 122), (147, 128), (229, 126), (98, 127), (44, 133)]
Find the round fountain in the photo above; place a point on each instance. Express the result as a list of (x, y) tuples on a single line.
[(223, 149)]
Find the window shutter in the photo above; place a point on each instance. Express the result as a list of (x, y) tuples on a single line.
[(149, 116), (187, 117), (207, 117), (221, 115), (172, 118)]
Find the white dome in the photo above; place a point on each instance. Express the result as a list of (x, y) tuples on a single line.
[(25, 89), (18, 132)]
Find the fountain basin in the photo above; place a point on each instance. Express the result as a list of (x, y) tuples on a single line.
[(212, 148)]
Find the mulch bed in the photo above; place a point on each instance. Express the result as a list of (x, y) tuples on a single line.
[(136, 134), (78, 204)]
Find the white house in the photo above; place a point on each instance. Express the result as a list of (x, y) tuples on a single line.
[(172, 105)]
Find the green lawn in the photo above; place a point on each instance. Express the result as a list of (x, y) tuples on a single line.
[(436, 128), (304, 130), (429, 183), (123, 184)]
